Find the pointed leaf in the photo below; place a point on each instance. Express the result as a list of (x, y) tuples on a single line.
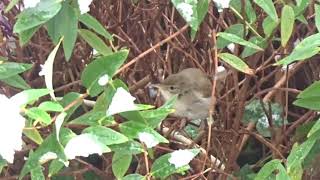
[(32, 17), (236, 29), (8, 69), (50, 106), (39, 115), (269, 25), (64, 24), (95, 42), (30, 95), (16, 81), (120, 164), (317, 17), (236, 39), (26, 35), (106, 135), (268, 7), (287, 22), (236, 63), (104, 65), (305, 49), (94, 118), (95, 25)]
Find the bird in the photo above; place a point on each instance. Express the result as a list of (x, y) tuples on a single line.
[(193, 90)]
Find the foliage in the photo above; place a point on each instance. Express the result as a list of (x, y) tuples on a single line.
[(116, 125)]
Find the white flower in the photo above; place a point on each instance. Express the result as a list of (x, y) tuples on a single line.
[(84, 6), (222, 4), (231, 47), (181, 158), (83, 145), (148, 139), (103, 80), (11, 126), (30, 3), (122, 101), (186, 11)]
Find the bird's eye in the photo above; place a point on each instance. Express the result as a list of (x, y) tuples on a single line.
[(171, 88)]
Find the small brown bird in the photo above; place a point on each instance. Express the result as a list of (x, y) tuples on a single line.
[(193, 88)]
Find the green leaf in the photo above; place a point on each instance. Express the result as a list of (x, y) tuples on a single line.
[(302, 19), (134, 177), (105, 98), (69, 98), (106, 135), (287, 22), (250, 12), (50, 144), (269, 25), (202, 10), (310, 97), (95, 25), (317, 17), (32, 133), (299, 153), (132, 130), (64, 24), (94, 118), (162, 168), (129, 147), (120, 164), (269, 168), (312, 103), (37, 174), (3, 163), (38, 115), (26, 35), (154, 117), (250, 51), (54, 167), (30, 95), (65, 135), (236, 63), (32, 17), (268, 7), (10, 6), (236, 29), (315, 128), (50, 106), (95, 42), (8, 69), (305, 49), (238, 40), (99, 67), (48, 69), (16, 81), (301, 6), (246, 172)]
